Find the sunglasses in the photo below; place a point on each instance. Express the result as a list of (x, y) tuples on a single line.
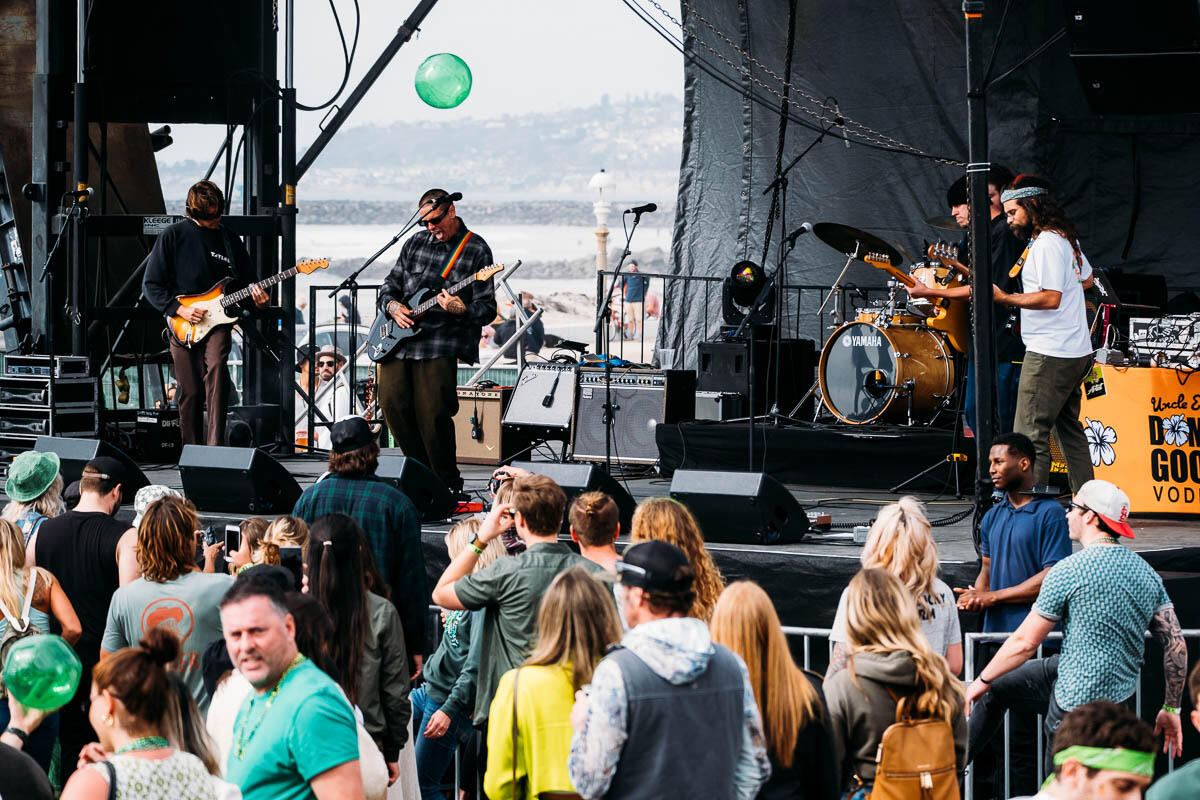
[(326, 363), (1077, 507), (435, 220)]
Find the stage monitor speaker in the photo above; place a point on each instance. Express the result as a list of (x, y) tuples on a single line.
[(479, 437), (236, 479), (723, 364), (1130, 57), (73, 455), (641, 399), (575, 479), (426, 490), (740, 507), (543, 399), (177, 62)]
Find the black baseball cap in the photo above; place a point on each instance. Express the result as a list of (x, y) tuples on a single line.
[(350, 434), (656, 567), (105, 468)]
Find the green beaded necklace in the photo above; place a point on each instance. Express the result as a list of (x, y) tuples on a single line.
[(143, 743), (243, 738)]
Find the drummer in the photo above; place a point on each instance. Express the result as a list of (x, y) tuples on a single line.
[(1006, 249)]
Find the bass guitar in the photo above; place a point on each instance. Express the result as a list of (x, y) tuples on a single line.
[(217, 303), (386, 335)]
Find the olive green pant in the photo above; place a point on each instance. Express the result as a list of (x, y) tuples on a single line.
[(1048, 398), (419, 399)]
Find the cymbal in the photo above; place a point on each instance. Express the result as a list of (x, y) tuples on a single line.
[(944, 223), (848, 240)]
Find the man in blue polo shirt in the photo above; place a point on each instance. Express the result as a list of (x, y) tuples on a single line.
[(1020, 538)]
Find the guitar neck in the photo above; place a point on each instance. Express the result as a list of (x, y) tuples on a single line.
[(242, 294), (454, 290)]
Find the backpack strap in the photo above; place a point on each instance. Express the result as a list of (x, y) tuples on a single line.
[(21, 624)]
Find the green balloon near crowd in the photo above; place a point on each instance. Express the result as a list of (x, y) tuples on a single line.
[(42, 671), (443, 80)]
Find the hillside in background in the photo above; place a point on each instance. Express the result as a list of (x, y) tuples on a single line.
[(533, 157)]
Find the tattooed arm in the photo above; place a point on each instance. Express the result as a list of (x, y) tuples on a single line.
[(837, 659), (1164, 626)]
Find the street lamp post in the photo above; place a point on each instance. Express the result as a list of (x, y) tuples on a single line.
[(602, 183)]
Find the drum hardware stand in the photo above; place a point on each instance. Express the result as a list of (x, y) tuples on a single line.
[(954, 457)]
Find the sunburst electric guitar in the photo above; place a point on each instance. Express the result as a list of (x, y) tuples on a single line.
[(217, 303), (386, 335)]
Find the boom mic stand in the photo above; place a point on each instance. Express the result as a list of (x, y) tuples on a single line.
[(604, 317)]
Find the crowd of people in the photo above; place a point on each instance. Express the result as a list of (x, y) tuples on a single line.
[(563, 669)]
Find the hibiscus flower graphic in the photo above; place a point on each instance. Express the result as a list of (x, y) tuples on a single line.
[(1100, 441), (1175, 429)]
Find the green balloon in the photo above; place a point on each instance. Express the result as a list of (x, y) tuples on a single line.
[(42, 671), (443, 80)]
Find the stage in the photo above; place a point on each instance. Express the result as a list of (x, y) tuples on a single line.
[(806, 579)]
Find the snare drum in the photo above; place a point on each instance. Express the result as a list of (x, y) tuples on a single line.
[(870, 373)]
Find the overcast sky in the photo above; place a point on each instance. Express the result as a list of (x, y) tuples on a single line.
[(525, 56)]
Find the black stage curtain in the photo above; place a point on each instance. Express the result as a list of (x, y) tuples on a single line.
[(899, 67)]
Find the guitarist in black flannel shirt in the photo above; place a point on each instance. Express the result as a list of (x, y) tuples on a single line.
[(418, 383)]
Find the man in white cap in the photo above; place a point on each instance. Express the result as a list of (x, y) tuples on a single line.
[(1106, 596)]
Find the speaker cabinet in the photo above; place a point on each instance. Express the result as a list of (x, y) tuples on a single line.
[(575, 479), (543, 400), (723, 365), (479, 437), (425, 489), (242, 480), (73, 455), (641, 399), (740, 507)]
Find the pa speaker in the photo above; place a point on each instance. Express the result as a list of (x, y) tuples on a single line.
[(73, 455), (236, 479), (740, 507), (575, 479), (426, 491)]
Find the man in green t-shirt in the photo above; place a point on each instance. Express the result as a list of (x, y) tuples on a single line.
[(1184, 782), (294, 738), (510, 589)]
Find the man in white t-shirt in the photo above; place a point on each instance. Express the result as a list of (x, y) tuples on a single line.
[(1058, 346)]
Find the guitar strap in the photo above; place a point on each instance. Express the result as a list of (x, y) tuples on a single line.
[(1020, 265), (456, 254)]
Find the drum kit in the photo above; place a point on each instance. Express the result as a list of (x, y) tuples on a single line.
[(896, 360)]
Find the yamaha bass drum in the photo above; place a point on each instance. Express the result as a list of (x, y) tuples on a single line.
[(894, 373)]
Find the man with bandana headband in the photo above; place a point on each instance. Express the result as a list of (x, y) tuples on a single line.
[(1101, 750), (1058, 346)]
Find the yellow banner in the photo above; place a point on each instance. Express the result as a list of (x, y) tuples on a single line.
[(1143, 432)]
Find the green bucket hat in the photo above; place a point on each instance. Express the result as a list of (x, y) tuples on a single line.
[(30, 475)]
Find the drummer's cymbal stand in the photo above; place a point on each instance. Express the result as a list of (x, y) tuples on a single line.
[(954, 458), (838, 290)]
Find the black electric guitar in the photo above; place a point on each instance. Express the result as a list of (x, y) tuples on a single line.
[(386, 335)]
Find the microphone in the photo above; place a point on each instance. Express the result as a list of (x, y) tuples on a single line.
[(790, 239), (646, 209), (548, 400), (840, 121), (450, 198), (82, 195)]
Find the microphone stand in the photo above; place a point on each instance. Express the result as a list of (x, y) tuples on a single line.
[(604, 317)]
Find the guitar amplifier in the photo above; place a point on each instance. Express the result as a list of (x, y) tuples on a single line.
[(478, 434), (641, 399), (543, 400)]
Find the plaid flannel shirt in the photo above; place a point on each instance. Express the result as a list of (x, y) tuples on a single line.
[(420, 266), (393, 528)]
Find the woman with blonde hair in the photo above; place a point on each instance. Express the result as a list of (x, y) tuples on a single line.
[(670, 521), (34, 488), (577, 621), (901, 542), (28, 597), (890, 663), (799, 742)]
